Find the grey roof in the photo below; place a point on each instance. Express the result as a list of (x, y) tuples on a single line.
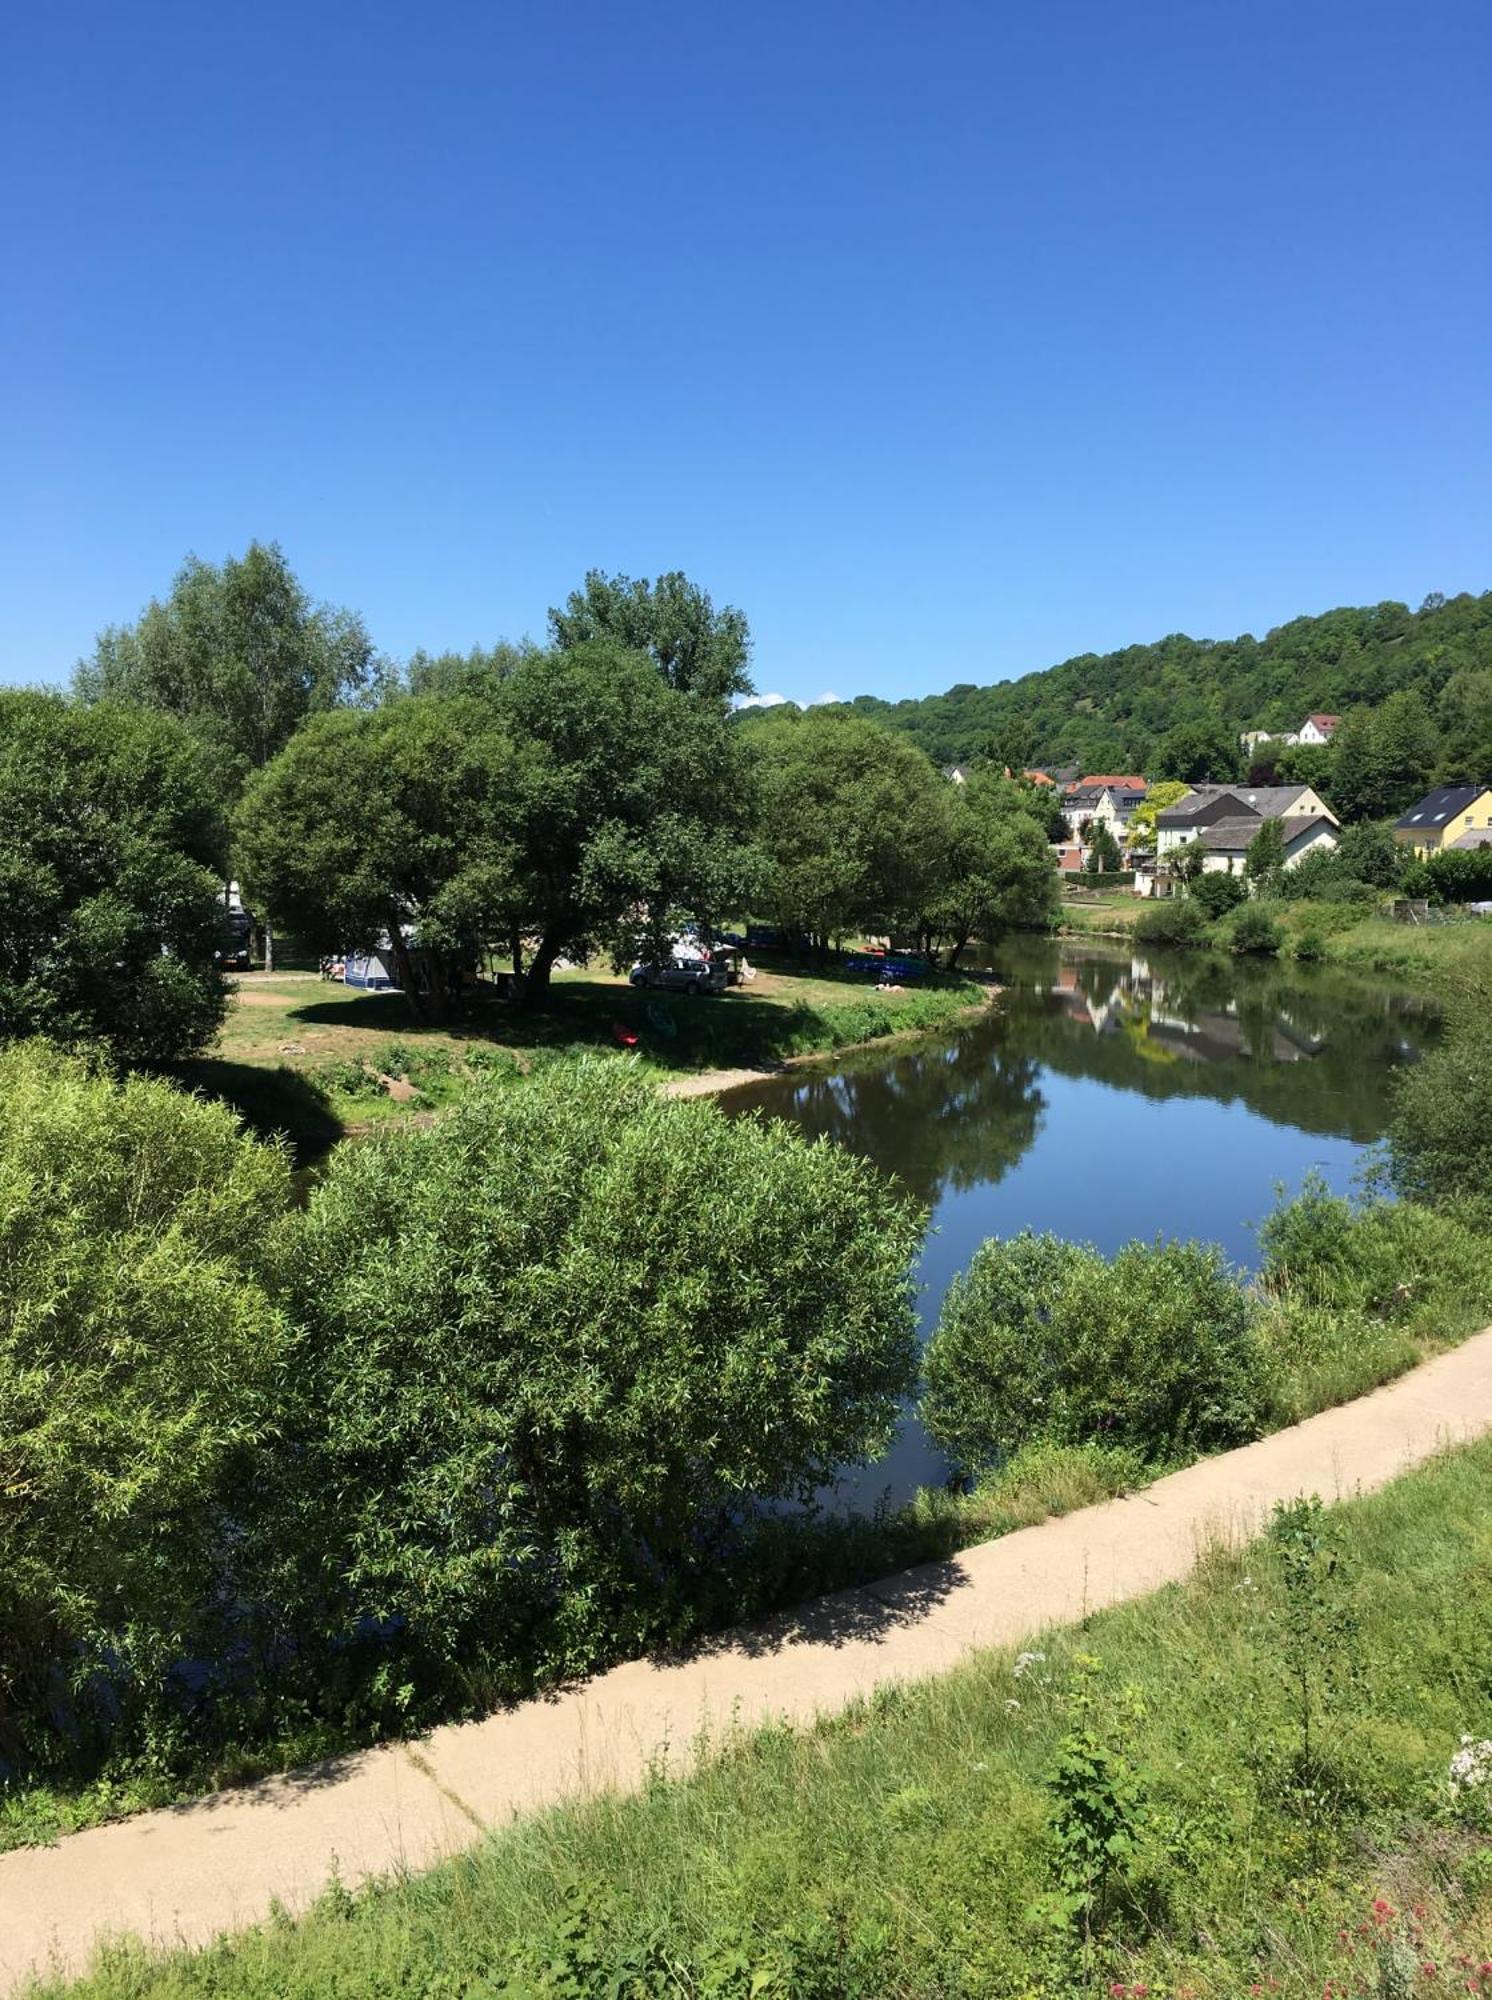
[(1435, 808), (1269, 801), (1232, 836)]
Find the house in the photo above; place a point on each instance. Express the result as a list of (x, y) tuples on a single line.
[(1476, 837), (1103, 799), (1442, 816), (1226, 842), (1317, 729), (1208, 805), (956, 774)]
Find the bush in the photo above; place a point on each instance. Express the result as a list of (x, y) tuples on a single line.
[(1440, 1140), (138, 1356), (1216, 894), (111, 845), (1253, 929), (556, 1351), (1046, 1340), (1176, 921)]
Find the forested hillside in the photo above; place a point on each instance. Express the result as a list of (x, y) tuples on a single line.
[(1108, 712)]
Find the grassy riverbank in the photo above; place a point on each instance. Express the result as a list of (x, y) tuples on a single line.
[(1267, 1750), (318, 1061), (1436, 955)]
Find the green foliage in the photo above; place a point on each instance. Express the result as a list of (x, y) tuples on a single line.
[(1459, 875), (905, 1847), (1041, 1339), (1383, 759), (111, 844), (139, 1346), (1198, 753), (374, 823), (1111, 712), (1251, 929), (997, 872), (856, 824), (1264, 862), (1097, 1800), (1217, 892), (1440, 1141), (1103, 851), (240, 653), (1317, 1631), (697, 649), (1173, 921), (555, 1351)]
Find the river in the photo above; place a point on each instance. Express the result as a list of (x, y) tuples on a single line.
[(1111, 1094)]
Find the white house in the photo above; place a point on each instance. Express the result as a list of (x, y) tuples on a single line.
[(1103, 800), (1226, 842), (1206, 805), (1317, 729)]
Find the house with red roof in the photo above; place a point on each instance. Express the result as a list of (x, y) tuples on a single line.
[(1317, 729)]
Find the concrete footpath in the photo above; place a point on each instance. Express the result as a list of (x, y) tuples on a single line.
[(184, 1874)]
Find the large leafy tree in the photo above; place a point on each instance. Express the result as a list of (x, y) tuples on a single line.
[(1383, 759), (111, 850), (998, 871), (240, 652), (392, 829), (1202, 752), (855, 821), (1142, 823), (634, 804), (696, 648)]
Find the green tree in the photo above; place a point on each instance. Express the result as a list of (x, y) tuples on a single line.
[(1103, 850), (1383, 759), (998, 873), (1046, 1340), (855, 822), (696, 648), (558, 1349), (393, 829), (1264, 863), (1464, 718), (1198, 753), (633, 805), (240, 653), (1163, 793), (139, 1351), (111, 846)]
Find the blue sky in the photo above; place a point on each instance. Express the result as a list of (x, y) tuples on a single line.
[(947, 340)]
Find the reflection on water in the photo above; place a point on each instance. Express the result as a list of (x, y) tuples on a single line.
[(1110, 1096)]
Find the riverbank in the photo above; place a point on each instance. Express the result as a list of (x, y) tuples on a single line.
[(880, 1817), (1435, 955), (318, 1062)]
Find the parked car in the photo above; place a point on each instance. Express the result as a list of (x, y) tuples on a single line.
[(682, 975)]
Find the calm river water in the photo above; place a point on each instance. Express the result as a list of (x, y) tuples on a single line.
[(1109, 1095)]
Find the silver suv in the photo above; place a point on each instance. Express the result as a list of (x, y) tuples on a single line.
[(682, 975)]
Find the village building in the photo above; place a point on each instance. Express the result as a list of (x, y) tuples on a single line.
[(1441, 817)]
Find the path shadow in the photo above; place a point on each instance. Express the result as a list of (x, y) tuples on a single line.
[(869, 1611)]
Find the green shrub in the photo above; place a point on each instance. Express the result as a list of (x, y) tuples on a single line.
[(138, 1357), (555, 1351), (1440, 1140), (1215, 894), (1045, 1340), (1174, 921), (1253, 930)]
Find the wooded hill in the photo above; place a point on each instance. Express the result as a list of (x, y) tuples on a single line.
[(1107, 712)]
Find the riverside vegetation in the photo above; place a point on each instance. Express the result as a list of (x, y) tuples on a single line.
[(320, 1541), (1262, 1782)]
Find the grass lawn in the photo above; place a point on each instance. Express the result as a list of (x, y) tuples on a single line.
[(1267, 1747), (317, 1061)]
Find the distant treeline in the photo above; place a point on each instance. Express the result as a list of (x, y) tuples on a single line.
[(1113, 711)]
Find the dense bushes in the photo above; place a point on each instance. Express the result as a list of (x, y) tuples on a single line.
[(1042, 1339), (1216, 893), (1175, 921), (502, 1400), (1252, 929), (111, 845), (139, 1347), (1441, 1138)]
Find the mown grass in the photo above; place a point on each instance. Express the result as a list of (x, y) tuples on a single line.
[(907, 1847), (315, 1062)]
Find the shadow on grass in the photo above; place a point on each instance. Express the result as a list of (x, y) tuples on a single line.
[(273, 1103)]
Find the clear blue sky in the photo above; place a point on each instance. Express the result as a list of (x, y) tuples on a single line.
[(948, 340)]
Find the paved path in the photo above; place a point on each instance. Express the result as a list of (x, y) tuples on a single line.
[(184, 1874)]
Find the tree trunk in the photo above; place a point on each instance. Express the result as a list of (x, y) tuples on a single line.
[(269, 947), (536, 983), (428, 1002), (956, 953), (517, 952)]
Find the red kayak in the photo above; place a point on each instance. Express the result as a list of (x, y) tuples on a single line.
[(624, 1037)]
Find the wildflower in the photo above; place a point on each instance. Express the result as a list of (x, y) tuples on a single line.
[(1025, 1661), (1012, 1703), (1471, 1767)]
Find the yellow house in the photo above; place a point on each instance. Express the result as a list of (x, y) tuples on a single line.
[(1442, 817)]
